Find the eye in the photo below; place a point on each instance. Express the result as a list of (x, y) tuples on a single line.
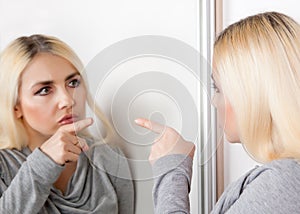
[(43, 91), (74, 83)]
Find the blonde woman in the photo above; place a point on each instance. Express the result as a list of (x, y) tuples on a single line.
[(256, 69), (48, 161)]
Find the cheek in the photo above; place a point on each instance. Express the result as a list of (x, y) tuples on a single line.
[(229, 116), (39, 118), (36, 111), (34, 115), (219, 103), (230, 128), (79, 93)]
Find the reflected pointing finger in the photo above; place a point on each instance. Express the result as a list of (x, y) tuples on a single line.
[(82, 124), (78, 126)]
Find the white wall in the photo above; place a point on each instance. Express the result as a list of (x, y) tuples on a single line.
[(236, 160)]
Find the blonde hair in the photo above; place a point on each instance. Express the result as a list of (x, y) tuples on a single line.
[(13, 61), (257, 61)]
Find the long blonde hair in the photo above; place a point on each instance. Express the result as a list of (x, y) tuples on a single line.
[(13, 61), (257, 61)]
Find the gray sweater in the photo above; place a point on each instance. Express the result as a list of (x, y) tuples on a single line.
[(100, 183), (268, 189)]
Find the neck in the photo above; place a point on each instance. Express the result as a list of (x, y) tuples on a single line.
[(35, 142)]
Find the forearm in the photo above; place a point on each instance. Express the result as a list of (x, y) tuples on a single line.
[(31, 186), (172, 184)]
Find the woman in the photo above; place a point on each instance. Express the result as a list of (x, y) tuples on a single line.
[(48, 161), (256, 72)]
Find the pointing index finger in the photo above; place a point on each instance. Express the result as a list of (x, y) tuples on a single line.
[(153, 126)]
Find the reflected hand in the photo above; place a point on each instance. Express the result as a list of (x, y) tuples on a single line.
[(64, 145), (168, 141)]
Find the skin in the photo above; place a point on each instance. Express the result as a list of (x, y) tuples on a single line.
[(46, 96), (225, 113)]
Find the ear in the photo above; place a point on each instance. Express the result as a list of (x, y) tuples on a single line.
[(18, 111)]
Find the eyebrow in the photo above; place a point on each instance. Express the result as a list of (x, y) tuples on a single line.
[(71, 76), (48, 82)]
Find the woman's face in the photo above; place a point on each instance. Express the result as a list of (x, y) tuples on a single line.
[(50, 95), (225, 113)]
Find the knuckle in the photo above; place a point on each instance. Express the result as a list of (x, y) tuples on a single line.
[(64, 156)]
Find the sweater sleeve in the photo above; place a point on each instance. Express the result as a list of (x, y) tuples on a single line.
[(123, 185), (31, 186), (172, 181)]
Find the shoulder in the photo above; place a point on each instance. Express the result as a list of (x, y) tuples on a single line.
[(264, 189), (278, 175), (10, 162), (273, 183), (277, 171), (12, 157)]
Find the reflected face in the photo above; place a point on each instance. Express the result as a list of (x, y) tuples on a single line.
[(50, 95), (225, 114)]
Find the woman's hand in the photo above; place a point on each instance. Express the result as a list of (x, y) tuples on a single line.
[(168, 141), (64, 146)]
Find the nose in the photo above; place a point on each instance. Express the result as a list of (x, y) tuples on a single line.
[(65, 99)]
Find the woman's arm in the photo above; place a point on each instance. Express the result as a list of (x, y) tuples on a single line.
[(31, 186), (171, 157), (172, 181)]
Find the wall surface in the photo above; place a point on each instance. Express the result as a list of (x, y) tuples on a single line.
[(236, 160)]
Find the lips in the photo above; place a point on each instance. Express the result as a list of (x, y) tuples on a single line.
[(68, 119)]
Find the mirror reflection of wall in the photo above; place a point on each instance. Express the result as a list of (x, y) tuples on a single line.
[(133, 73)]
